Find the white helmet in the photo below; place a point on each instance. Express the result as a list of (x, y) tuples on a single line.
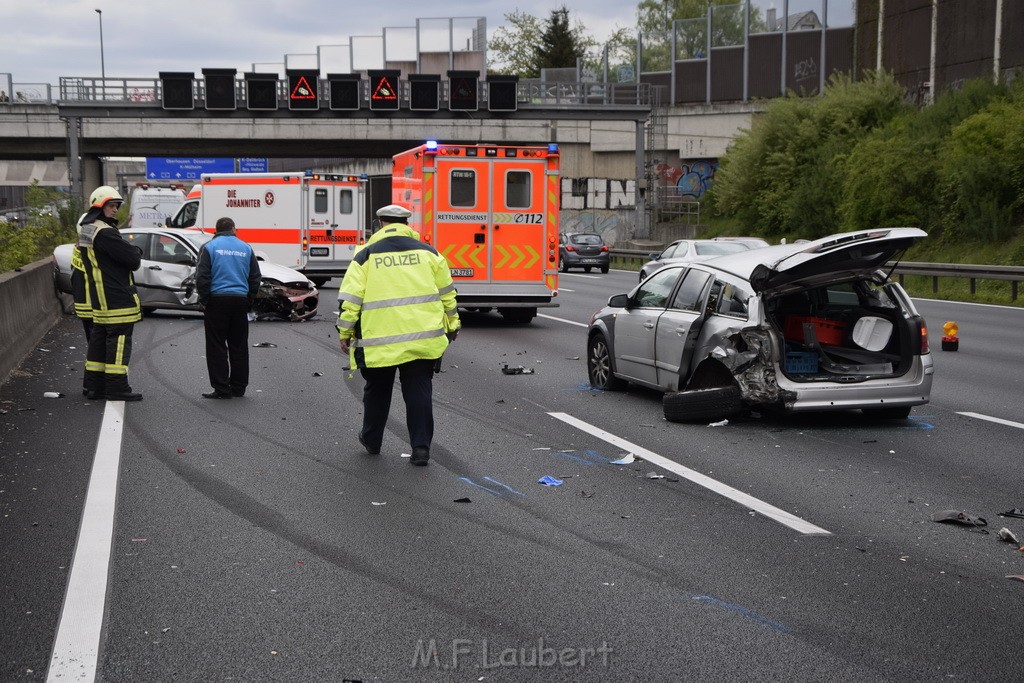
[(103, 194)]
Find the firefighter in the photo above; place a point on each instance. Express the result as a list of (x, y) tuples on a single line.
[(397, 315), (108, 261), (79, 292)]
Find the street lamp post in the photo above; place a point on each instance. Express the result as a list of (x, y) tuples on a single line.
[(103, 67)]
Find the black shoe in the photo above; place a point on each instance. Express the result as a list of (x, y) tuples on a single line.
[(93, 395), (371, 451), (124, 396), (216, 394), (420, 456), (238, 393)]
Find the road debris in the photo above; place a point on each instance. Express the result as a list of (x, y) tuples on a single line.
[(376, 503), (1015, 512), (462, 500), (720, 423), (518, 370), (962, 518), (626, 459), (655, 475), (264, 345), (52, 394), (1008, 536), (548, 480)]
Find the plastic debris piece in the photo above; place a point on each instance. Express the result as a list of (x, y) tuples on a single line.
[(181, 450), (264, 345), (318, 374), (627, 459), (406, 455), (1015, 512), (587, 494), (655, 475), (1016, 577), (1008, 536), (52, 394), (720, 423), (573, 358), (462, 500), (548, 480), (958, 517), (518, 370), (377, 504)]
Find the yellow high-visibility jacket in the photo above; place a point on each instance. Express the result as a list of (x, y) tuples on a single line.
[(397, 300)]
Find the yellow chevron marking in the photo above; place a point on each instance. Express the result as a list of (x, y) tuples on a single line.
[(504, 256), (535, 256), (475, 256), (519, 257)]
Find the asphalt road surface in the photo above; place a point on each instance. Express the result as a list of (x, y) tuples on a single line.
[(182, 539)]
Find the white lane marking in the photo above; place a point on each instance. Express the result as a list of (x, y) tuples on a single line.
[(969, 303), (75, 653), (746, 500), (563, 320), (989, 418)]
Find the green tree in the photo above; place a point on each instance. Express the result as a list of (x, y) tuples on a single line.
[(561, 45), (52, 218), (511, 48)]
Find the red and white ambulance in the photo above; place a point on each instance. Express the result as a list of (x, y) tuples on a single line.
[(311, 222)]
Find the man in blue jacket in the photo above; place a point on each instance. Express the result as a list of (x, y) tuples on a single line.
[(227, 279)]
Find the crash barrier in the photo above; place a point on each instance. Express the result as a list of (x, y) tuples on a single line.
[(29, 307), (1013, 274)]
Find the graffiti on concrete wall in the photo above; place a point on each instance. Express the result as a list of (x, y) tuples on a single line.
[(691, 179), (598, 193)]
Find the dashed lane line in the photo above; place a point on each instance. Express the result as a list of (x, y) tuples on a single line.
[(997, 420), (744, 499)]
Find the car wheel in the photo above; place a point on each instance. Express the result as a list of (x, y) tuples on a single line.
[(586, 269), (604, 269), (563, 266), (697, 405), (599, 365), (892, 413)]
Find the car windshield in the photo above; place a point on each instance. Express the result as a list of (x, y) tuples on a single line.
[(587, 239), (198, 238), (715, 248)]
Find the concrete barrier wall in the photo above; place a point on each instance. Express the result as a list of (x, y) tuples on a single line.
[(29, 307)]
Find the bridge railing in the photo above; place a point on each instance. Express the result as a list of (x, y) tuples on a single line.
[(972, 272)]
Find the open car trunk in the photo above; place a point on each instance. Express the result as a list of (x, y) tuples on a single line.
[(844, 332)]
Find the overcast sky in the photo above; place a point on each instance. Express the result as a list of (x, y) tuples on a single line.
[(43, 40)]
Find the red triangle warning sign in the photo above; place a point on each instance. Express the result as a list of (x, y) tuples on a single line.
[(302, 90), (383, 90)]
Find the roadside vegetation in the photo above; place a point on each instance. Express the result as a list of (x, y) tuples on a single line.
[(50, 221)]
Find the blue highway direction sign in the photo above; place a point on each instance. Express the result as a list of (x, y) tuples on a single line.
[(186, 169)]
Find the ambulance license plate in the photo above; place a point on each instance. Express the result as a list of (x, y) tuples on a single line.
[(462, 272), (319, 251)]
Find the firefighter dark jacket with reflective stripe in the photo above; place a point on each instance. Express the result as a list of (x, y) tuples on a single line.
[(397, 300), (109, 260)]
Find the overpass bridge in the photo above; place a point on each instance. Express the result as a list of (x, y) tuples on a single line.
[(616, 140)]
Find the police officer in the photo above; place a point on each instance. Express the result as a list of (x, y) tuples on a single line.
[(108, 261), (397, 314), (227, 279)]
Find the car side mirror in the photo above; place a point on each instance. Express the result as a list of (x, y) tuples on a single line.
[(653, 256), (618, 300), (186, 260)]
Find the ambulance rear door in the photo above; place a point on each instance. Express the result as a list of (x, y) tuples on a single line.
[(333, 225)]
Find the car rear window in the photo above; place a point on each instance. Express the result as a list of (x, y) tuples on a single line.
[(594, 240), (709, 248)]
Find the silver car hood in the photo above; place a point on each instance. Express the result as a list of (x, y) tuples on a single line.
[(283, 274), (834, 258)]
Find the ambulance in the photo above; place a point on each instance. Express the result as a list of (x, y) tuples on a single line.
[(312, 222), (152, 205), (492, 212)]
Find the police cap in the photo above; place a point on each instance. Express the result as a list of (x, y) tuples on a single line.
[(394, 212)]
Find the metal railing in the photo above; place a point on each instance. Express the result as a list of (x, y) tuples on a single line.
[(1013, 274)]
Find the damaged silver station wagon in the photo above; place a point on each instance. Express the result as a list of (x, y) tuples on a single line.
[(167, 276), (794, 327)]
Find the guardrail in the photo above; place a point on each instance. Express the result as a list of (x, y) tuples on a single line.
[(973, 272)]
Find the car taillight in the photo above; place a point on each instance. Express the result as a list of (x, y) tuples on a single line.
[(604, 248), (922, 330), (569, 247)]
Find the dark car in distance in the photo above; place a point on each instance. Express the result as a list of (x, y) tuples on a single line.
[(584, 250)]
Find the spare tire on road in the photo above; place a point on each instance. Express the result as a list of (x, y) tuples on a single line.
[(697, 405)]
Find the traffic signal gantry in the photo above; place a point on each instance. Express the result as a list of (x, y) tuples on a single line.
[(306, 90)]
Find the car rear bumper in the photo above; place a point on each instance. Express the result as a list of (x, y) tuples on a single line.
[(911, 389)]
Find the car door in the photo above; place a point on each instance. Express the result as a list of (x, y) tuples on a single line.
[(636, 326), (678, 329), (168, 267)]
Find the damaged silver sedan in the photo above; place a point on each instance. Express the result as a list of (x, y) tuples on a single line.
[(800, 327), (166, 278)]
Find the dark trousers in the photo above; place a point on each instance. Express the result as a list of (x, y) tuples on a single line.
[(417, 378), (106, 361), (227, 343)]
